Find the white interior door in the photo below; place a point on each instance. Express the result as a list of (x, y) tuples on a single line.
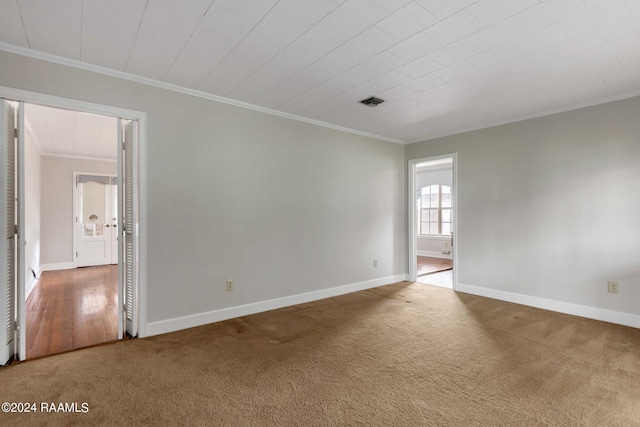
[(7, 235), (129, 225), (94, 220), (12, 288)]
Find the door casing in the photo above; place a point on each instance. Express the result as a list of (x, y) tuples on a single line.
[(141, 168), (412, 232)]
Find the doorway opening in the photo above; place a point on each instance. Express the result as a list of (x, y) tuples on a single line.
[(71, 218), (74, 264), (432, 213)]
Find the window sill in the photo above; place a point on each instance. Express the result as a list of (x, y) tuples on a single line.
[(433, 237)]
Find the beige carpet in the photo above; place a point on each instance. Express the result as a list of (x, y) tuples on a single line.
[(406, 354)]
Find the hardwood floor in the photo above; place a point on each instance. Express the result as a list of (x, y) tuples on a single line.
[(428, 265), (71, 309)]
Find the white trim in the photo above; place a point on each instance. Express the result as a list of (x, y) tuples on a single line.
[(105, 110), (142, 226), (57, 266), (175, 88), (412, 236), (434, 254), (178, 323), (602, 314), (67, 103), (21, 266), (412, 239), (528, 116), (71, 156), (433, 237)]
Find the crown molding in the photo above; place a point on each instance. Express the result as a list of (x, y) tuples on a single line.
[(74, 157), (175, 88)]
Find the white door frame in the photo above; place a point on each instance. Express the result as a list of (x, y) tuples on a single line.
[(76, 201), (105, 110), (412, 236)]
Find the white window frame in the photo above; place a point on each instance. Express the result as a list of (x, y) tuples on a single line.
[(439, 210)]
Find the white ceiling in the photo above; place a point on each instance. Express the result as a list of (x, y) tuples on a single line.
[(443, 66), (70, 133)]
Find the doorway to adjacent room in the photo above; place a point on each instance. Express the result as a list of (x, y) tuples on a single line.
[(82, 288), (432, 222)]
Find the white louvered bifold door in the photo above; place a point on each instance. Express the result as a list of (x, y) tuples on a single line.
[(7, 232), (129, 227)]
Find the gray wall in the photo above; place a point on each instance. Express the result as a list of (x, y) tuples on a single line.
[(282, 207), (549, 207), (57, 204)]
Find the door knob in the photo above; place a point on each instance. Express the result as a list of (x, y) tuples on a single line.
[(107, 225), (115, 225)]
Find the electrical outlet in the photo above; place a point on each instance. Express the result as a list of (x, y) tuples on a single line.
[(375, 263), (612, 287), (229, 285)]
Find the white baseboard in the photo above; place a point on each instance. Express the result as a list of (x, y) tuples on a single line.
[(178, 323), (57, 266), (434, 254), (620, 318)]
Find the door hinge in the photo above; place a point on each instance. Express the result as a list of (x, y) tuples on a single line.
[(15, 132), (76, 254), (76, 219), (15, 229), (16, 327)]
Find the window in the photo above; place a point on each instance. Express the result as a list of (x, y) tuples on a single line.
[(434, 210)]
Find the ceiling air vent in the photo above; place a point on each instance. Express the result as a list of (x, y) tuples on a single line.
[(372, 102)]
